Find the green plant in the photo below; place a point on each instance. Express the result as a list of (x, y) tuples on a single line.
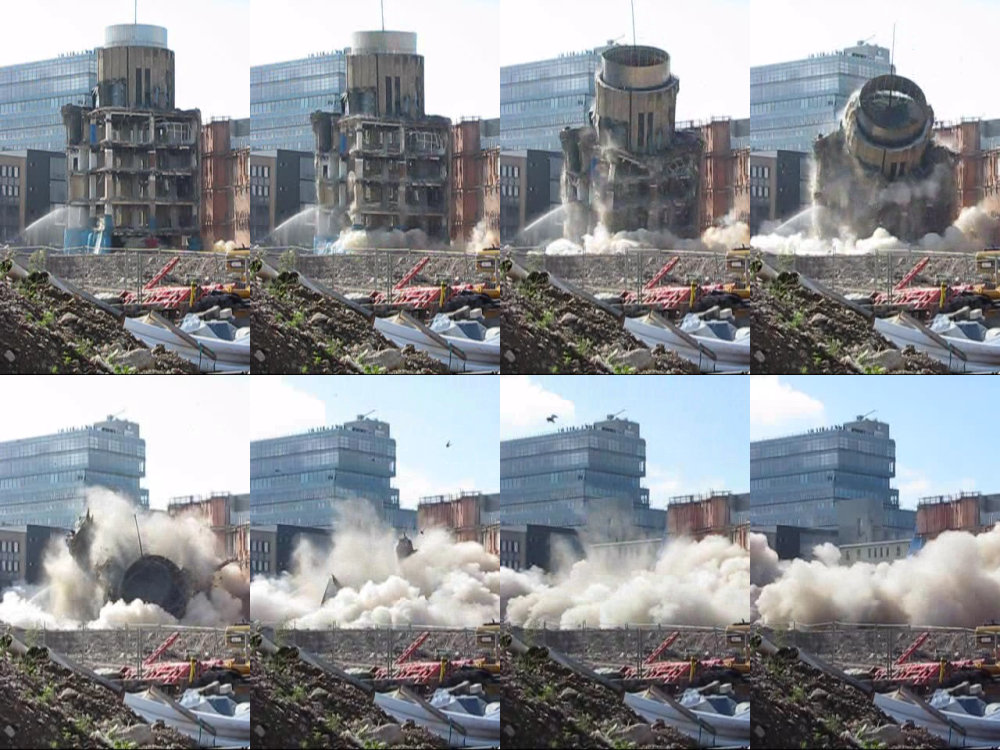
[(874, 370), (798, 318), (124, 370), (298, 693), (54, 370), (373, 370), (36, 261), (48, 694), (548, 318), (48, 318), (298, 318), (623, 370), (798, 695), (286, 262)]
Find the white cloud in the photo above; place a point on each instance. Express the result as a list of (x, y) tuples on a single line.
[(279, 408), (525, 404), (777, 408), (414, 484), (914, 484), (194, 427), (665, 483)]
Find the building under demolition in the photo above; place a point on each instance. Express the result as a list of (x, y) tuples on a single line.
[(133, 157), (882, 168), (383, 164), (630, 168)]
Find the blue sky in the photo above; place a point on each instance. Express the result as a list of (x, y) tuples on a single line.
[(424, 412), (194, 428), (949, 51), (696, 428), (209, 39), (944, 426), (459, 40), (707, 41)]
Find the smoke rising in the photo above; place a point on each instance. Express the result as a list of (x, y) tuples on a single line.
[(691, 583), (443, 582), (953, 581), (75, 595), (729, 234)]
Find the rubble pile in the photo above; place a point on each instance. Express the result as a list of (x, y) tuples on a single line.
[(797, 331), (546, 705), (297, 331), (797, 706), (296, 705), (44, 705), (45, 331), (546, 331)]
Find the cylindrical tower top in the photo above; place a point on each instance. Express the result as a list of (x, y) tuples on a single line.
[(398, 42), (629, 67), (135, 35)]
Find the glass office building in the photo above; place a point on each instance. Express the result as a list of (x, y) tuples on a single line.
[(301, 480), (539, 99), (791, 103), (836, 479), (587, 476), (32, 96), (44, 480), (283, 95)]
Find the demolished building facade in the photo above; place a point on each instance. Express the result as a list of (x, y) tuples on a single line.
[(384, 163), (883, 167), (133, 158), (630, 168)]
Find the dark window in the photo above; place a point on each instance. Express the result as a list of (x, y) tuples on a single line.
[(397, 95), (642, 129), (388, 95), (148, 87), (138, 87)]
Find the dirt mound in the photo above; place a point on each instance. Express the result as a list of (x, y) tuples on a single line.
[(795, 331), (297, 331), (796, 706), (548, 331), (296, 705), (43, 705), (44, 330), (546, 705)]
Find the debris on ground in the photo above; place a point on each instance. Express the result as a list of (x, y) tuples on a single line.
[(297, 331), (796, 331), (297, 705), (547, 331), (547, 705), (795, 705), (44, 705), (46, 331)]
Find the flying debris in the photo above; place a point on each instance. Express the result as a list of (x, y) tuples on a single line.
[(551, 418)]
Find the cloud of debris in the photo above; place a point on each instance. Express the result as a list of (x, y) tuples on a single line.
[(720, 238), (691, 583), (443, 582), (953, 581), (78, 590)]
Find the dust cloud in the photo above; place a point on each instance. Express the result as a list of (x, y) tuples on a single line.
[(443, 583), (953, 581), (690, 583), (74, 595)]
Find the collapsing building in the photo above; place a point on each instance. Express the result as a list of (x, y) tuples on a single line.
[(882, 168), (383, 163), (133, 158), (630, 169)]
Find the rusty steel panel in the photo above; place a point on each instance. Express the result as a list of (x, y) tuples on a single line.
[(933, 519)]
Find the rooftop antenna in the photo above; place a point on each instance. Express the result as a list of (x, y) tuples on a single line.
[(632, 3), (136, 12), (863, 416), (612, 416), (892, 61), (381, 4), (136, 519), (367, 413)]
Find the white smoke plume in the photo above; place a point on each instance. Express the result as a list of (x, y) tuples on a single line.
[(691, 583), (953, 581), (352, 240), (720, 238), (482, 237), (73, 596), (971, 231), (443, 582)]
